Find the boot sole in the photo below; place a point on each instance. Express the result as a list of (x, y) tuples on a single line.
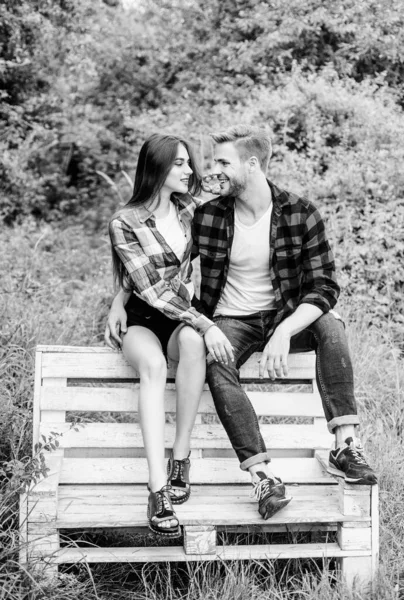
[(271, 509), (175, 500), (351, 480), (166, 534)]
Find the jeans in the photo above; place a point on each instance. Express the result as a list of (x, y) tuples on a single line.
[(334, 377)]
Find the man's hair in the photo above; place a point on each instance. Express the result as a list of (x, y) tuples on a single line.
[(249, 141)]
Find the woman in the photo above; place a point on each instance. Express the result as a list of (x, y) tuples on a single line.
[(151, 246)]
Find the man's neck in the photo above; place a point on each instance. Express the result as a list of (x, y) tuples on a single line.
[(255, 200)]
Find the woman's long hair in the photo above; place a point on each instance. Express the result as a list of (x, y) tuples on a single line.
[(156, 158)]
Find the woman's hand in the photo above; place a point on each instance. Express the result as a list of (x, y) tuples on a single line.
[(116, 323), (218, 345)]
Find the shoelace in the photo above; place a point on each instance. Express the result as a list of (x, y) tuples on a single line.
[(260, 489), (356, 452), (178, 471), (162, 501)]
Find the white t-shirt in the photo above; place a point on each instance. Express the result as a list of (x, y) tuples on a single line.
[(248, 287), (171, 230)]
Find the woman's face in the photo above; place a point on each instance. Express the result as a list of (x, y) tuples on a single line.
[(178, 178)]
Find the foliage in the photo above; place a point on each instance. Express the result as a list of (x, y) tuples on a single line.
[(83, 83)]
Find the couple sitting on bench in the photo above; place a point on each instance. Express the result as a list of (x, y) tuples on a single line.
[(267, 284)]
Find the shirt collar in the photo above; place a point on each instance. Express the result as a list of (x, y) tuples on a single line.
[(179, 200)]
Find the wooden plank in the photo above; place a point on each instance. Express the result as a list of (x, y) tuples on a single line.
[(241, 513), (177, 554), (54, 416), (128, 435), (23, 528), (357, 572), (60, 349), (135, 494), (112, 365), (200, 539), (48, 486), (98, 399), (36, 402), (207, 470), (354, 538), (374, 512)]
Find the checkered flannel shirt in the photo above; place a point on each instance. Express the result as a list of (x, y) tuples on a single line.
[(154, 272), (302, 268)]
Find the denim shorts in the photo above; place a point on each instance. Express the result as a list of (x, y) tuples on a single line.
[(142, 314)]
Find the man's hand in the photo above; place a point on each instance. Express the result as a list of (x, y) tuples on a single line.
[(218, 345), (275, 355), (116, 326)]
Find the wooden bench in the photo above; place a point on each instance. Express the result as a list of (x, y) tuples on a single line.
[(98, 474)]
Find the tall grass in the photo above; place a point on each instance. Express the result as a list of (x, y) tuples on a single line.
[(55, 289)]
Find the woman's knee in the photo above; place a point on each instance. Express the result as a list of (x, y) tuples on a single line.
[(191, 344), (153, 366)]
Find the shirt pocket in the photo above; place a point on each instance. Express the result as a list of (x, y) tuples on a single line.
[(289, 261), (212, 261)]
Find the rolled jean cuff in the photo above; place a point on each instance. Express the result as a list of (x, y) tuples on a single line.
[(343, 420), (255, 460)]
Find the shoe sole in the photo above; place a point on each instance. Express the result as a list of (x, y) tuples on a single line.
[(166, 534), (271, 509), (342, 475), (179, 500)]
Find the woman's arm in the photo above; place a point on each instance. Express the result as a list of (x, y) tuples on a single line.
[(152, 288), (117, 319), (147, 282)]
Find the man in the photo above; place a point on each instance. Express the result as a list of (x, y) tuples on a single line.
[(268, 282)]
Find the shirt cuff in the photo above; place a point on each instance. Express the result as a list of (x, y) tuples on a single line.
[(202, 324)]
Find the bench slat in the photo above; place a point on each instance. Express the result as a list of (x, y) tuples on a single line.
[(129, 509), (112, 365), (137, 494), (175, 553), (92, 399), (207, 470), (128, 435)]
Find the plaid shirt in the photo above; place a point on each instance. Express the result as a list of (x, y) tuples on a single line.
[(154, 272), (301, 264)]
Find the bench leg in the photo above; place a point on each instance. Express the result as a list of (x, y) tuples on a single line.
[(42, 549), (357, 572), (43, 540), (200, 539)]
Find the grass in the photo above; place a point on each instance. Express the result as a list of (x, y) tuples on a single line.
[(56, 290)]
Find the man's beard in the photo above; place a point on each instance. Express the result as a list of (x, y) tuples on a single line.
[(235, 188)]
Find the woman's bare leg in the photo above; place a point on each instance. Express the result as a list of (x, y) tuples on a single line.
[(142, 350), (187, 347)]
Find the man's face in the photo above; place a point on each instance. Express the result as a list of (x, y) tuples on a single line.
[(230, 169)]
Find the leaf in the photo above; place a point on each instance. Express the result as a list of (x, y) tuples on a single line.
[(128, 179), (107, 178)]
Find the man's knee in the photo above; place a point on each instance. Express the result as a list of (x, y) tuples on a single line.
[(330, 327), (219, 374)]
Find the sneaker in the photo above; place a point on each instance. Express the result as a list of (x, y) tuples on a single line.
[(270, 494), (349, 463)]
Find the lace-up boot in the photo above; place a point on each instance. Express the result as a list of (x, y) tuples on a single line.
[(178, 478), (270, 494), (159, 509), (349, 463)]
